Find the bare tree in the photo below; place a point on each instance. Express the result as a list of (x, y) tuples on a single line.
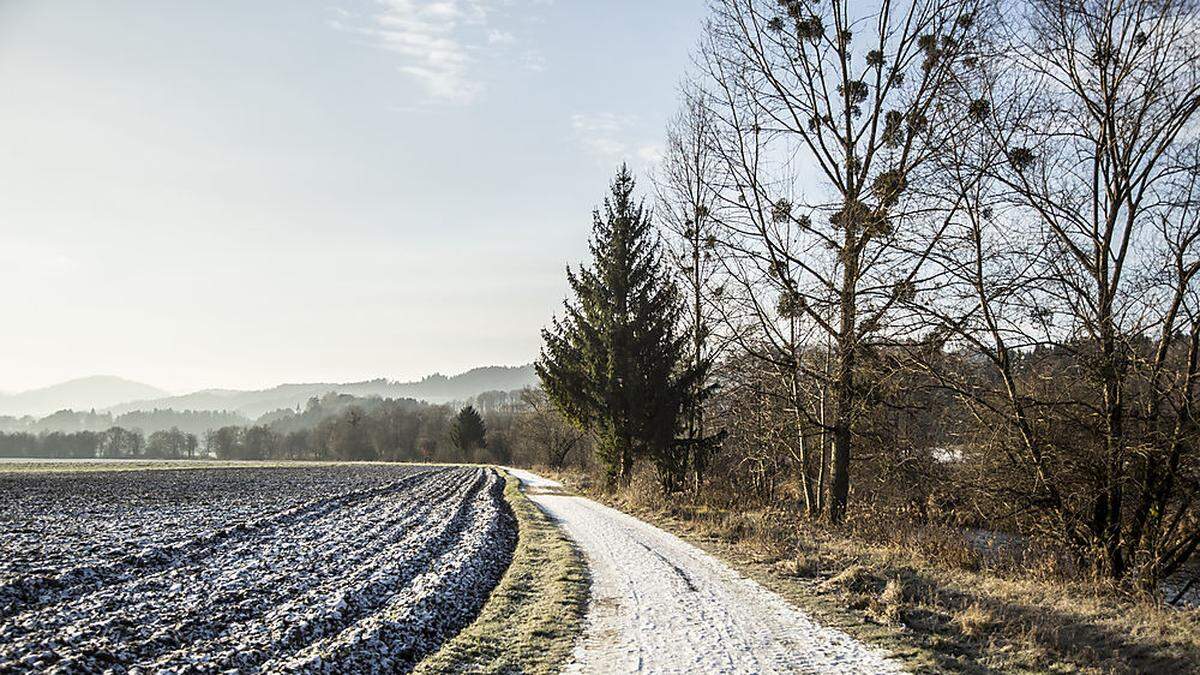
[(686, 184), (553, 438), (826, 119), (1072, 272)]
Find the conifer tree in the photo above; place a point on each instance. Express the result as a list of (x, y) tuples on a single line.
[(615, 363), (468, 432)]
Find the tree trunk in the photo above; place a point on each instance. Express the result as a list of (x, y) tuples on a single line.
[(626, 465), (840, 488), (822, 474), (697, 412), (844, 384), (806, 479), (1114, 440)]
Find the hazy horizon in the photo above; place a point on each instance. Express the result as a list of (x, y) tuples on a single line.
[(173, 392), (233, 195)]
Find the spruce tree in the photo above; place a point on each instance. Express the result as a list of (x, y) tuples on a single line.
[(614, 364), (468, 432)]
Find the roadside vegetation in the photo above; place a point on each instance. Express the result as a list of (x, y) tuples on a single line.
[(928, 595), (532, 618), (930, 351)]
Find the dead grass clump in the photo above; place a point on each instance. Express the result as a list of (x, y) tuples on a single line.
[(948, 548), (855, 579), (644, 491), (974, 621), (804, 563), (732, 529), (757, 531), (889, 606)]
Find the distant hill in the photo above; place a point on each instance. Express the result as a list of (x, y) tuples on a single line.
[(98, 392), (434, 389)]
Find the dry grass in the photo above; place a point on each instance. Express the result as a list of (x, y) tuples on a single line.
[(855, 579), (974, 622), (531, 621), (890, 604), (931, 597)]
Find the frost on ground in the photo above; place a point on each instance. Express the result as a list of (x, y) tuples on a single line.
[(333, 569), (661, 605), (531, 482)]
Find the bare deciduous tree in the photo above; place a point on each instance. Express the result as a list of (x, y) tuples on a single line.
[(820, 261), (1072, 272), (552, 437), (686, 184)]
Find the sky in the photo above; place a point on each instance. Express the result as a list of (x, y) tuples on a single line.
[(238, 194)]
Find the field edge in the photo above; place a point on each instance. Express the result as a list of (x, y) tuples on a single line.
[(533, 617)]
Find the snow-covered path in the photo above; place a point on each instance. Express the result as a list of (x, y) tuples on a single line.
[(661, 605)]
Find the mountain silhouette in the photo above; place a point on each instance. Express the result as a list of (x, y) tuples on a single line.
[(435, 388), (99, 391)]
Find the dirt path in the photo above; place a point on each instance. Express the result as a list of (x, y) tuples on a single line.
[(661, 605)]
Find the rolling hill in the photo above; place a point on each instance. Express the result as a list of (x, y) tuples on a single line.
[(434, 388), (100, 391)]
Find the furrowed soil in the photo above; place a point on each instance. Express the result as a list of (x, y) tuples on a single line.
[(312, 569)]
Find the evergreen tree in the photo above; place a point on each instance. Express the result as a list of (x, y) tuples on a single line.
[(468, 432), (614, 364)]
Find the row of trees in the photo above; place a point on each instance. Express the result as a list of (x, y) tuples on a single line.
[(514, 426), (149, 421), (931, 251), (526, 431), (114, 443)]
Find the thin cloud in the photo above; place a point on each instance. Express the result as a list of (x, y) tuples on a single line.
[(427, 35), (651, 154), (607, 138), (533, 61), (500, 37), (440, 42)]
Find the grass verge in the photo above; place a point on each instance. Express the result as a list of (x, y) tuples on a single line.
[(932, 602), (531, 621)]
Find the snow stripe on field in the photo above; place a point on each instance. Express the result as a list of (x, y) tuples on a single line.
[(352, 569), (661, 605)]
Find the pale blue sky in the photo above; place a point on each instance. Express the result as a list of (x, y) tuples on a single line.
[(232, 193)]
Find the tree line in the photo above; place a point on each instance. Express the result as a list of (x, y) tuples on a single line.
[(492, 427), (149, 421), (113, 443), (936, 257)]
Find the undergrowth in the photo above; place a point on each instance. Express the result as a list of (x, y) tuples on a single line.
[(937, 600)]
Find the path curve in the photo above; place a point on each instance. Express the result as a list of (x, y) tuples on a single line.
[(661, 605)]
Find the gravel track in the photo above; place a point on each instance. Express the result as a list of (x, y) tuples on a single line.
[(661, 605), (326, 569)]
